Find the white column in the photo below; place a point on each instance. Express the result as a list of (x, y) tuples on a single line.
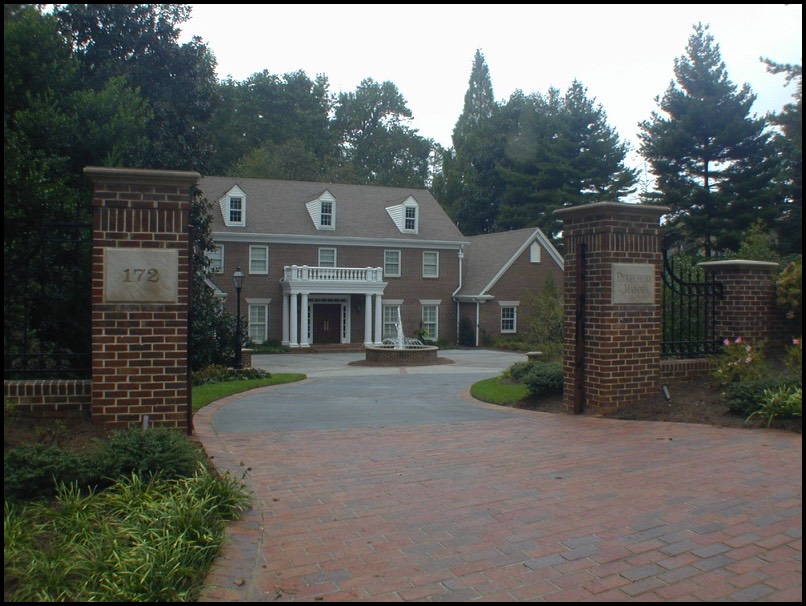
[(367, 319), (285, 320), (378, 319), (303, 323), (293, 339)]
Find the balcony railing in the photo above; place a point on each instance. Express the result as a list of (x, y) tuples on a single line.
[(308, 273)]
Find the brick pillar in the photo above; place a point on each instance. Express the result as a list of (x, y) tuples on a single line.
[(747, 308), (616, 360), (140, 297)]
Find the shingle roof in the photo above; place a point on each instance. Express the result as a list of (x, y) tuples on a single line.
[(488, 254), (278, 208)]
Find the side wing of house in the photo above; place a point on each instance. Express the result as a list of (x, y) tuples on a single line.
[(505, 273)]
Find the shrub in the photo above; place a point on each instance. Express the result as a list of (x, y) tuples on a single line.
[(219, 374), (146, 453), (789, 287), (33, 471), (783, 401), (544, 379), (518, 371), (738, 362), (745, 398)]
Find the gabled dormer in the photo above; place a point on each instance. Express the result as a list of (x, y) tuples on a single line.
[(406, 215), (233, 207), (323, 211)]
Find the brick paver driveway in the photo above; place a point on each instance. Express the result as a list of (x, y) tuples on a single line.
[(395, 485)]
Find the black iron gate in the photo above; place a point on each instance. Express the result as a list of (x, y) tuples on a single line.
[(689, 308), (46, 299)]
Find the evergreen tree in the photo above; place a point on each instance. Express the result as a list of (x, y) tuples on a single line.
[(472, 181), (789, 142), (562, 153), (712, 159)]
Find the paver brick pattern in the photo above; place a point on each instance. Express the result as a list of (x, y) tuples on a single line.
[(529, 507)]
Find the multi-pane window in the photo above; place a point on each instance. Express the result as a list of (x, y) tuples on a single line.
[(430, 319), (391, 263), (258, 323), (258, 259), (509, 319), (327, 257), (390, 317), (216, 257), (430, 264), (236, 209), (410, 218), (326, 214)]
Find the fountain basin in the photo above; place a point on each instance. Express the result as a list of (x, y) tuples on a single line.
[(421, 355)]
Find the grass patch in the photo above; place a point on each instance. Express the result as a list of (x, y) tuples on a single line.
[(494, 391), (210, 392)]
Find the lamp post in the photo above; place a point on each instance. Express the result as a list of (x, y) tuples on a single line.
[(237, 280)]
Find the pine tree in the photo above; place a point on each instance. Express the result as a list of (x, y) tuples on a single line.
[(472, 182), (711, 158), (561, 153), (789, 142)]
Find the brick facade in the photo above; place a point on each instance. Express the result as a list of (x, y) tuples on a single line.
[(616, 361), (140, 347)]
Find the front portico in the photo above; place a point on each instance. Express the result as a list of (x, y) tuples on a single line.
[(318, 304)]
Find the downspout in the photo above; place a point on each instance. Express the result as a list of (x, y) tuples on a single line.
[(461, 257), (478, 319)]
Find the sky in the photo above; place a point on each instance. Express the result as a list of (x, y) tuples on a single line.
[(623, 54)]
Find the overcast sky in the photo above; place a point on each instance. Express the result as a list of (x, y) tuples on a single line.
[(624, 54)]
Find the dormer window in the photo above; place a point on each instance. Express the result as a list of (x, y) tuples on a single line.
[(233, 207), (326, 216), (323, 211), (410, 223), (406, 215)]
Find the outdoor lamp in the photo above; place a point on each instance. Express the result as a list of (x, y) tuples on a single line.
[(237, 279)]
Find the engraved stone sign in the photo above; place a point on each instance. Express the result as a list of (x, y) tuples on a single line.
[(137, 275), (633, 283)]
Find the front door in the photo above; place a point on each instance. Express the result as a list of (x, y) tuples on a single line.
[(326, 318)]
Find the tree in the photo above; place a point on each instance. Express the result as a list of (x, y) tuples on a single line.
[(712, 159), (53, 128), (139, 42), (473, 186), (377, 144), (263, 119), (212, 338), (789, 142), (561, 153)]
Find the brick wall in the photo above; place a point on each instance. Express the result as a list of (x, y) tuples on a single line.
[(139, 347), (49, 398)]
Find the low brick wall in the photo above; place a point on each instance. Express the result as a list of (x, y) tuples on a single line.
[(681, 371), (49, 398)]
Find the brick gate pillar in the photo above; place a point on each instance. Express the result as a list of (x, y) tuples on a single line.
[(747, 308), (140, 297), (613, 258)]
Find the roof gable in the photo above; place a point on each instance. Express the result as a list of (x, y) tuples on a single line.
[(489, 257)]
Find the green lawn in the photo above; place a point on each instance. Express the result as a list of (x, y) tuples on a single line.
[(495, 392), (210, 392)]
